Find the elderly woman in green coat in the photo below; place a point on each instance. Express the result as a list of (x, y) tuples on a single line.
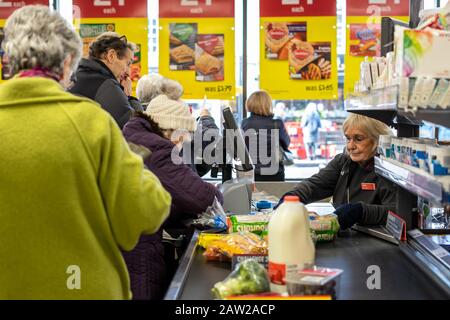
[(72, 193), (359, 194)]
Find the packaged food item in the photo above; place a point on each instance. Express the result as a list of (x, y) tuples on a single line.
[(249, 277), (205, 239), (325, 227), (257, 223), (237, 243), (314, 281)]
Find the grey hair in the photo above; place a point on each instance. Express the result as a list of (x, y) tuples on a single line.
[(373, 128), (151, 86), (35, 36)]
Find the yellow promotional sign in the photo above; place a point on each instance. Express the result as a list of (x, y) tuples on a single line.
[(128, 18), (298, 50), (353, 58), (196, 47), (135, 32), (363, 33)]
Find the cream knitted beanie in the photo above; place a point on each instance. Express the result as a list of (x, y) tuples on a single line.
[(170, 114)]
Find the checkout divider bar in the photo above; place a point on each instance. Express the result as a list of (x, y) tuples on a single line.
[(179, 279)]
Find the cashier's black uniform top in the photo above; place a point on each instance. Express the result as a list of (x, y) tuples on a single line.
[(348, 182)]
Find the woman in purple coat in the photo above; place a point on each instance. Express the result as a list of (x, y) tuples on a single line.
[(162, 129)]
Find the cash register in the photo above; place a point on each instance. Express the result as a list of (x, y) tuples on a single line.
[(237, 191)]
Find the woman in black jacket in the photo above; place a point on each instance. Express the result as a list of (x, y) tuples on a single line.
[(264, 136), (359, 194)]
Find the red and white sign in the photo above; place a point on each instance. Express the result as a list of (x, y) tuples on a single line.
[(363, 8), (8, 7), (109, 8), (297, 8), (196, 8)]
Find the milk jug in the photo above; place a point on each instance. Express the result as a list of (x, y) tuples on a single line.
[(290, 242)]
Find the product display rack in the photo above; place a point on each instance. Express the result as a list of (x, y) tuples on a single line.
[(383, 104), (414, 181)]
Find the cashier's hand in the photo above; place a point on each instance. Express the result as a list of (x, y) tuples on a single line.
[(349, 214)]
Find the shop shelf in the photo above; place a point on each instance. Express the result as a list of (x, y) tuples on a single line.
[(410, 178), (381, 104), (437, 116)]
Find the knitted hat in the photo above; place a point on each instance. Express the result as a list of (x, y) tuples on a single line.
[(170, 114)]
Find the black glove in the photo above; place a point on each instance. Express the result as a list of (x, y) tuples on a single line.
[(349, 214)]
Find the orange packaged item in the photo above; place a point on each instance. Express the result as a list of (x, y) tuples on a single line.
[(236, 243)]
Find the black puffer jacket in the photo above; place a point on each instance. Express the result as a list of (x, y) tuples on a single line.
[(348, 182), (96, 81)]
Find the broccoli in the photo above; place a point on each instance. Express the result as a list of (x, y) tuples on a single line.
[(248, 277)]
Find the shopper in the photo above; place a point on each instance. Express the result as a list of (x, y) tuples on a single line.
[(207, 132), (359, 195), (72, 194), (153, 85), (311, 124), (104, 76), (163, 129), (259, 129), (211, 139)]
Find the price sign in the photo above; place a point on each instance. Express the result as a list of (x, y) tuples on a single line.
[(363, 8), (196, 8), (299, 8), (109, 8), (396, 226), (298, 48), (8, 7)]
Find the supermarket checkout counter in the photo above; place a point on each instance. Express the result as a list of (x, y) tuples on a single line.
[(352, 252)]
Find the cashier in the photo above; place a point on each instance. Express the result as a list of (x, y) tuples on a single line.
[(359, 194)]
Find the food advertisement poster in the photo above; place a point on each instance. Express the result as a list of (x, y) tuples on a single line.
[(209, 58), (6, 9), (127, 18), (183, 37), (298, 49), (364, 32), (365, 40), (196, 41)]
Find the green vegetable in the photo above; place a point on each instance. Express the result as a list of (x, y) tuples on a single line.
[(247, 278)]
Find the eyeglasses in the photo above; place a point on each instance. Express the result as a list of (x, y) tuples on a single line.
[(123, 38), (357, 139)]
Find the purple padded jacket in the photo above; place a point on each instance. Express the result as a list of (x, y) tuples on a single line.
[(190, 196)]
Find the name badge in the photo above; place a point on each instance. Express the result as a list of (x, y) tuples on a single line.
[(368, 186)]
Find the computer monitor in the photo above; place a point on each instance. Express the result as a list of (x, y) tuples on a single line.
[(240, 151)]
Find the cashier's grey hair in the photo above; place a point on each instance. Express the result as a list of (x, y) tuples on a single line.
[(373, 128), (35, 36)]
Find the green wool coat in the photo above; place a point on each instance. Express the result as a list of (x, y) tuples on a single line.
[(72, 195)]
